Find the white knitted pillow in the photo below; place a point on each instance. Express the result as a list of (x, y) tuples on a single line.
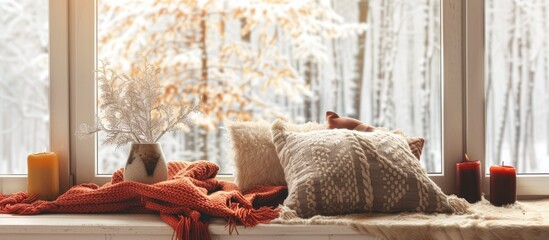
[(340, 171), (255, 155)]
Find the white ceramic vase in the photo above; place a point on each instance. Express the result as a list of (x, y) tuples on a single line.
[(146, 164)]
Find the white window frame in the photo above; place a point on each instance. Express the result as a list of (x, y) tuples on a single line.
[(528, 186), (82, 88), (463, 117), (58, 99)]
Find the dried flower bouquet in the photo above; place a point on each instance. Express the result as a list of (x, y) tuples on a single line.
[(138, 109)]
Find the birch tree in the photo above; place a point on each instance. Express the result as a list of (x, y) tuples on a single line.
[(509, 86), (363, 9), (24, 83)]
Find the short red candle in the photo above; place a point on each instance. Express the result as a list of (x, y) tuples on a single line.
[(503, 185), (468, 180)]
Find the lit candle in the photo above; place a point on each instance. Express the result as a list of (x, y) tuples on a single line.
[(43, 175), (503, 185), (468, 180)]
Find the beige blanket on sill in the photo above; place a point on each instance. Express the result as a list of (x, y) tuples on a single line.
[(522, 220)]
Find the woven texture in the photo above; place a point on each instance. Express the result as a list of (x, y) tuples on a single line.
[(255, 155), (334, 172), (190, 196), (525, 219)]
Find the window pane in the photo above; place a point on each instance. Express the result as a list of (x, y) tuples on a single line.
[(517, 85), (24, 82), (390, 76)]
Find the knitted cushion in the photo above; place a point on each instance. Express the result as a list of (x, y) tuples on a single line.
[(255, 155), (414, 143), (339, 171)]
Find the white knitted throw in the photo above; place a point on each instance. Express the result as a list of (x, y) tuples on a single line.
[(527, 220)]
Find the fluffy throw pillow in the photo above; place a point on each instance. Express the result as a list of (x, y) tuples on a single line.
[(331, 172), (255, 155), (335, 121)]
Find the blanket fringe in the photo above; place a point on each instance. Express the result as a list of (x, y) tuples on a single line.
[(191, 190), (190, 228), (250, 217), (458, 205), (19, 203)]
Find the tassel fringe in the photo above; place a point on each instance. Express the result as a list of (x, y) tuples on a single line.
[(249, 217), (188, 228), (19, 203), (458, 205)]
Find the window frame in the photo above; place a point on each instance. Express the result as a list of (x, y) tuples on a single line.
[(82, 110), (462, 65), (83, 39), (58, 99), (528, 186)]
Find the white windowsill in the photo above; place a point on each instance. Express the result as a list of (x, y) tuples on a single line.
[(149, 226)]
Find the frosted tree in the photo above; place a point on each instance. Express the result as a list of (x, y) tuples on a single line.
[(490, 133), (24, 82), (528, 144), (509, 85), (515, 97), (236, 76), (401, 81), (425, 71), (190, 41), (363, 9)]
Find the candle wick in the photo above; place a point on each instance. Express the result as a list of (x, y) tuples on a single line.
[(502, 163)]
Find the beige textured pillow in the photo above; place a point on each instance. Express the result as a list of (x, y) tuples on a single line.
[(341, 171), (255, 155)]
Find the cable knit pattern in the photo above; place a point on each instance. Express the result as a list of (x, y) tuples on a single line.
[(339, 171), (191, 194)]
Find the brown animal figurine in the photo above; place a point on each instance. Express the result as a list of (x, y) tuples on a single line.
[(335, 121)]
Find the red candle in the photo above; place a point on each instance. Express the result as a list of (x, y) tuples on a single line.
[(468, 180), (503, 185)]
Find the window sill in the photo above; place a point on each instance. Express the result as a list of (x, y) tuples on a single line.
[(148, 226)]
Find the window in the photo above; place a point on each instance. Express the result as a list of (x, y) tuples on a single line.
[(371, 76), (466, 49), (437, 98), (375, 76), (33, 88), (515, 91), (517, 123), (24, 84)]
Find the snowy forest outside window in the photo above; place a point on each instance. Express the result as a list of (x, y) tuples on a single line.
[(251, 60), (24, 83), (517, 84)]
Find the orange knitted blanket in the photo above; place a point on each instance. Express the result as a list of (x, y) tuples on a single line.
[(185, 201)]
